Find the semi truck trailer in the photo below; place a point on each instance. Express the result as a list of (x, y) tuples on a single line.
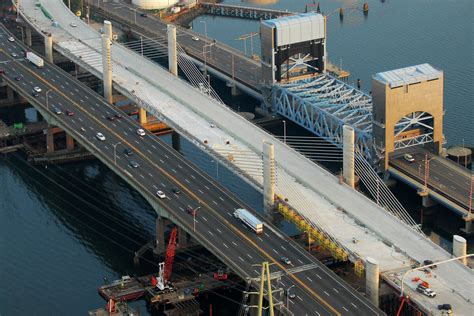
[(249, 219)]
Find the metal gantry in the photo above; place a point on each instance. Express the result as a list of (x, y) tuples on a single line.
[(323, 105)]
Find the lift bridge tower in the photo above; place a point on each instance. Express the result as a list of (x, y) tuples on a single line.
[(293, 48)]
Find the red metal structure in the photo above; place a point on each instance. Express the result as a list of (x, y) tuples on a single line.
[(170, 254)]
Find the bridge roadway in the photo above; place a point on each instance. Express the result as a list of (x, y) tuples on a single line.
[(342, 212), (318, 290), (446, 178)]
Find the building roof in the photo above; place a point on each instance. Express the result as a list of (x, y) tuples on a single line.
[(408, 75)]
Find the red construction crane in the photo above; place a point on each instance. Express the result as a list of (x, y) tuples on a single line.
[(170, 255)]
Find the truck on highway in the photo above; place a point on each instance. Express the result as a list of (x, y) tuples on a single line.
[(35, 59), (249, 219)]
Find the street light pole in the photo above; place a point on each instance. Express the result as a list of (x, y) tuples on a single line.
[(284, 131), (115, 152), (205, 27), (288, 297)]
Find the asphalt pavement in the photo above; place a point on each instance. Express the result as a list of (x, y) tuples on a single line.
[(318, 291)]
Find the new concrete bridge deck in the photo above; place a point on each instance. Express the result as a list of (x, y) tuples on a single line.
[(311, 190)]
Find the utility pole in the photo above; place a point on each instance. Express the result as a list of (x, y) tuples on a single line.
[(244, 38)]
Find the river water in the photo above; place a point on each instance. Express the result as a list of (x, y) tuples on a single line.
[(62, 229)]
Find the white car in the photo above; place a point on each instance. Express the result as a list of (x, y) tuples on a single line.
[(408, 158), (37, 89), (161, 194), (11, 39), (195, 38), (140, 132), (100, 136), (73, 24)]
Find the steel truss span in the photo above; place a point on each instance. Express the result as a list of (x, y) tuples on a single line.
[(323, 105)]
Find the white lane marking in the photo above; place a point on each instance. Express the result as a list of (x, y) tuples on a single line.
[(266, 234), (355, 306), (72, 120), (179, 166), (200, 191), (155, 187), (282, 283), (335, 290), (79, 119), (345, 309), (256, 272), (283, 247), (167, 156), (192, 176), (231, 215), (248, 255), (173, 170), (142, 176), (204, 218), (220, 232), (153, 146), (234, 244), (309, 279), (225, 246), (161, 160), (275, 250), (114, 125), (299, 260), (210, 233), (259, 238), (241, 259), (326, 293), (150, 175), (182, 209), (319, 276), (149, 151), (300, 298), (214, 202), (106, 147), (207, 187), (162, 184), (136, 141), (187, 180), (220, 198)]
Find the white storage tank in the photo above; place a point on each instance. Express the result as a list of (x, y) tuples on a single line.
[(154, 4)]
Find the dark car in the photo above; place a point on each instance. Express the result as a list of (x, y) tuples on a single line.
[(111, 118), (17, 78), (428, 262), (134, 164), (176, 191), (119, 116), (446, 307), (143, 15), (128, 151), (35, 94), (69, 113)]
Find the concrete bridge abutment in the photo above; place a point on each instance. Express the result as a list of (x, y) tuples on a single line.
[(372, 280), (348, 138), (172, 52), (48, 47), (460, 248), (27, 38)]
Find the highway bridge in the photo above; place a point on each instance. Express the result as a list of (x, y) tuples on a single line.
[(342, 212), (318, 291)]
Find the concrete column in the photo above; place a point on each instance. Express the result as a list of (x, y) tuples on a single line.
[(142, 116), (372, 280), (348, 138), (268, 177), (426, 201), (27, 36), (69, 142), (460, 247), (10, 94), (182, 237), (176, 141), (49, 141), (172, 52), (106, 68), (108, 29), (234, 91), (48, 47), (469, 227), (160, 235)]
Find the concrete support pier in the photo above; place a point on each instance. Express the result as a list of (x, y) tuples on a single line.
[(372, 275), (142, 116), (107, 68), (48, 48), (69, 142), (268, 177), (49, 141), (172, 52), (28, 41), (160, 235), (108, 29), (460, 248), (176, 141), (348, 138), (182, 237)]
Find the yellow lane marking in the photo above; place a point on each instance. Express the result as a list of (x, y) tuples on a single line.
[(188, 191)]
